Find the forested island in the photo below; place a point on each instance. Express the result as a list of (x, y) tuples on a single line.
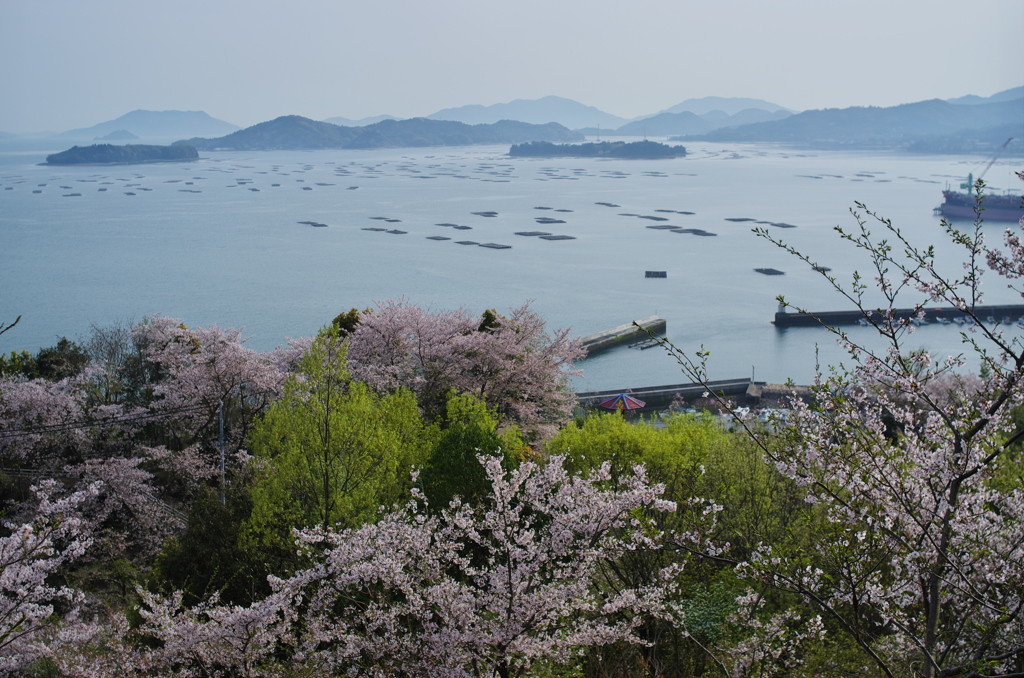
[(606, 149), (294, 132), (110, 154)]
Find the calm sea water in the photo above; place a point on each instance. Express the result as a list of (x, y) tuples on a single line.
[(217, 242)]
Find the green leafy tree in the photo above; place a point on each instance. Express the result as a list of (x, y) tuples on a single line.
[(17, 363), (333, 450), (693, 457), (470, 429)]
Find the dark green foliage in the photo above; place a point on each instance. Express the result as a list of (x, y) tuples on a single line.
[(453, 469), (489, 321), (127, 154), (348, 322), (605, 149), (706, 610), (66, 359), (209, 558), (41, 668)]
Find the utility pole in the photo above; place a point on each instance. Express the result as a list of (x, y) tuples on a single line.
[(222, 500)]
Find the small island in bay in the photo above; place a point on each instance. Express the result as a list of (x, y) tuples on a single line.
[(129, 154), (605, 149)]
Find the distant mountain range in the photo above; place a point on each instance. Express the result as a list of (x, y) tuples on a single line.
[(728, 105), (693, 116), (686, 122), (293, 132), (567, 112), (118, 135), (896, 126), (962, 124), (156, 124), (345, 122), (1005, 95)]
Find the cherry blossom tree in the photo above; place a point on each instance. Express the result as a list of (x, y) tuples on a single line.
[(30, 554), (919, 538), (200, 369), (36, 419), (480, 591), (81, 430), (508, 362), (460, 591)]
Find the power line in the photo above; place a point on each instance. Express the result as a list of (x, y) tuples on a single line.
[(70, 426)]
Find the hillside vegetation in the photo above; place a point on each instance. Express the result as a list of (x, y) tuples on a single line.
[(293, 132), (106, 154)]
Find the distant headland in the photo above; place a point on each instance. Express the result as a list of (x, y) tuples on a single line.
[(110, 154), (645, 150)]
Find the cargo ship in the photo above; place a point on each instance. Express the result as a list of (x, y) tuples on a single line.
[(957, 205)]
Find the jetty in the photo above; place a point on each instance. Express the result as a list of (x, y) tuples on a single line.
[(623, 334), (931, 314)]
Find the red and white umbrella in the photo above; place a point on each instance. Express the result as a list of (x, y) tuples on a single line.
[(622, 402)]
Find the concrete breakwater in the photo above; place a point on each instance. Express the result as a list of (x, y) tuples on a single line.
[(661, 396), (741, 391), (931, 314), (623, 334)]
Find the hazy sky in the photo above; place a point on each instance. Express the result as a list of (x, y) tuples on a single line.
[(75, 63)]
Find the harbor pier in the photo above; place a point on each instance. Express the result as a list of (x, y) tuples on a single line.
[(931, 314), (741, 391), (623, 334), (660, 396)]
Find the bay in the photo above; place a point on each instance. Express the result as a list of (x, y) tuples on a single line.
[(217, 241)]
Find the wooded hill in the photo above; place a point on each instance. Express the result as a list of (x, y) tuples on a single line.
[(294, 132), (872, 126), (105, 154)]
